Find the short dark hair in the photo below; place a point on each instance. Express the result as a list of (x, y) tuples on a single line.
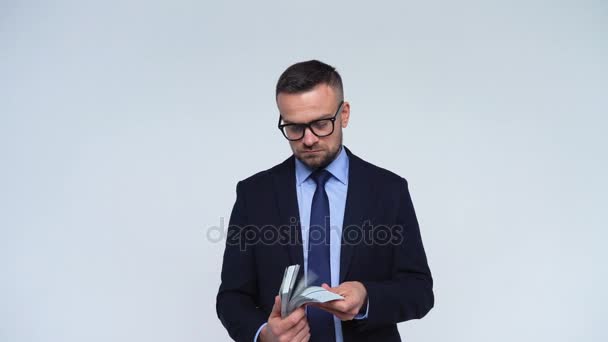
[(304, 76)]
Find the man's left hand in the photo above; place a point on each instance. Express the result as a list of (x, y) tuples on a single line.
[(355, 296)]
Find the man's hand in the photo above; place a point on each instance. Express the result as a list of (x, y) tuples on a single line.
[(355, 296), (291, 328)]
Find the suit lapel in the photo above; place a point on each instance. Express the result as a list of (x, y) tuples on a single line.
[(289, 215), (359, 198)]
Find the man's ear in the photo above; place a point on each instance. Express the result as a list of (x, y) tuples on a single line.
[(345, 116)]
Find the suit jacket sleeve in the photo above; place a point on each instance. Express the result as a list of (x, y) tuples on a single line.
[(236, 300), (409, 294)]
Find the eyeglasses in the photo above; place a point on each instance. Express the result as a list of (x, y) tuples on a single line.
[(320, 128)]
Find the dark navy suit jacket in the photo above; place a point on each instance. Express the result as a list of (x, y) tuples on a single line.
[(381, 247)]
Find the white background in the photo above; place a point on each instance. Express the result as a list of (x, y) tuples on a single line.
[(125, 125)]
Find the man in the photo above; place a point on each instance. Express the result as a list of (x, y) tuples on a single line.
[(347, 221)]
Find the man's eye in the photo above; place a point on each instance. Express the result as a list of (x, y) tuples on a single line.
[(294, 128), (321, 124)]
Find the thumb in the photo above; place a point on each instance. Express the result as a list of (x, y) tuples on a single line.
[(276, 308), (337, 290)]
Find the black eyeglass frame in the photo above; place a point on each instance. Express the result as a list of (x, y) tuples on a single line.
[(309, 125)]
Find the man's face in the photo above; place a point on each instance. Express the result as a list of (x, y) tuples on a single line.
[(321, 102)]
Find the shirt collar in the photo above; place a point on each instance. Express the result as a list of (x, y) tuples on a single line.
[(338, 168)]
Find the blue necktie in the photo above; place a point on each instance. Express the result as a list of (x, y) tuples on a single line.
[(321, 322)]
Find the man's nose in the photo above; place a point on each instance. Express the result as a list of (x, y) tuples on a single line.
[(309, 138)]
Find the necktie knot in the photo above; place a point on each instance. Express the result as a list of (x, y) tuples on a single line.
[(320, 177)]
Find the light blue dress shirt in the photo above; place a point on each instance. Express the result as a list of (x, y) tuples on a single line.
[(336, 188)]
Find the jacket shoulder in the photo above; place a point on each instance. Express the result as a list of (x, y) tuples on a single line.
[(263, 178), (379, 173)]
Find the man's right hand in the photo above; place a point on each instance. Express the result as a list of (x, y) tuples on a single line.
[(291, 328)]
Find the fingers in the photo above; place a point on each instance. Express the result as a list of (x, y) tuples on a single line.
[(294, 318), (304, 333), (297, 315), (299, 332), (302, 324), (338, 305), (289, 327), (344, 311)]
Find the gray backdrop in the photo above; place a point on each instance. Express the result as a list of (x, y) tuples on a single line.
[(125, 126)]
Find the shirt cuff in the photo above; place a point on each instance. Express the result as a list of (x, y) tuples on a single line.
[(255, 339), (363, 316)]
